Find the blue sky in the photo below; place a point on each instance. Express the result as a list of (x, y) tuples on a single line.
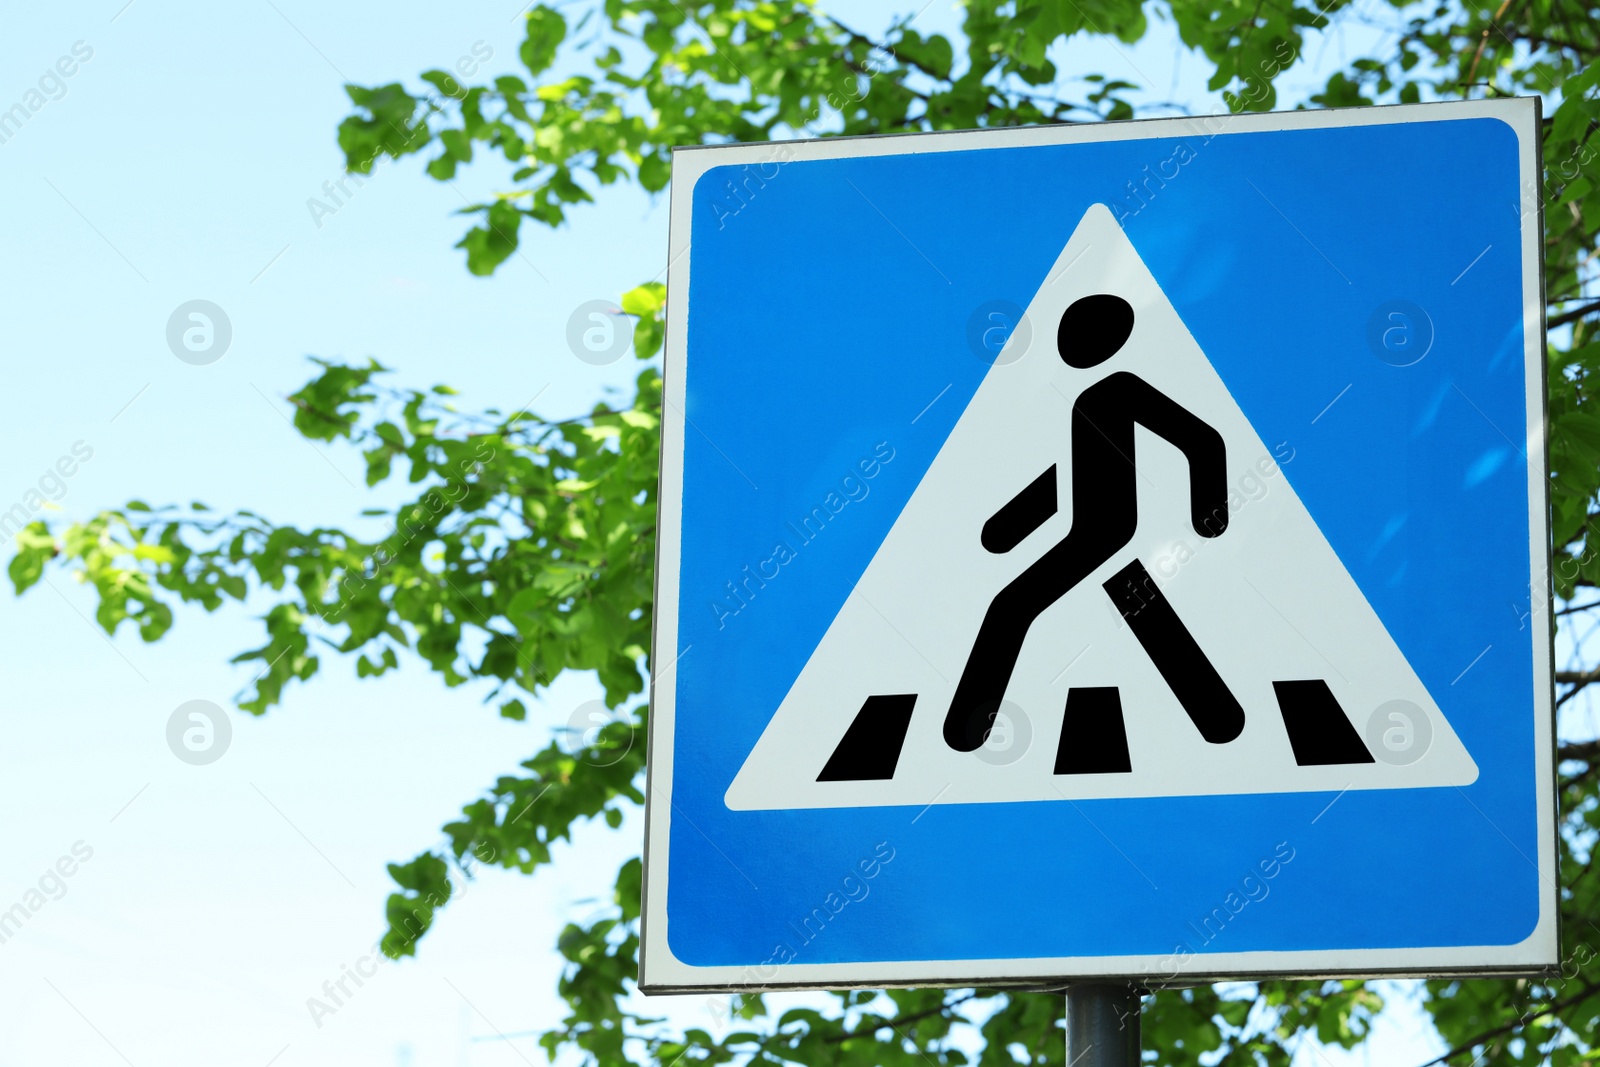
[(175, 164)]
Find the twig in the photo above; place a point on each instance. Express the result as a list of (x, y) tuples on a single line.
[(1493, 22)]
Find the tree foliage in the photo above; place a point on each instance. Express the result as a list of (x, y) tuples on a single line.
[(527, 546)]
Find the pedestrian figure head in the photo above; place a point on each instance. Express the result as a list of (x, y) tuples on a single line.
[(1093, 330)]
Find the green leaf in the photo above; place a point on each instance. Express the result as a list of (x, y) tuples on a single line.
[(491, 244), (546, 30)]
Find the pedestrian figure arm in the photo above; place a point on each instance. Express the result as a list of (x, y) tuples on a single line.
[(1201, 445), (1022, 514)]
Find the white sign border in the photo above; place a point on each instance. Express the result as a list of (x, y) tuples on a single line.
[(661, 972)]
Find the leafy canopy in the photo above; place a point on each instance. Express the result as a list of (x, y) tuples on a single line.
[(527, 547)]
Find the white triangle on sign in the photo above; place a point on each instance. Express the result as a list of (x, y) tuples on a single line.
[(1267, 601)]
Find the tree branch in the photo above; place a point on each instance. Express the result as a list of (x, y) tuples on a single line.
[(515, 423), (1552, 42), (1587, 751), (1579, 680), (901, 1021), (1488, 1035), (1556, 321), (863, 39)]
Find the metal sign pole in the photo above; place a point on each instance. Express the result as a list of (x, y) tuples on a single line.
[(1102, 1026)]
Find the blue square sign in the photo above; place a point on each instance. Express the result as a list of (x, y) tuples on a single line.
[(1113, 550)]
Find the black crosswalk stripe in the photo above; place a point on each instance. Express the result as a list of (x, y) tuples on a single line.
[(1094, 736)]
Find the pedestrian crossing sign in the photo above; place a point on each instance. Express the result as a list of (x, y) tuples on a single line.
[(1115, 551)]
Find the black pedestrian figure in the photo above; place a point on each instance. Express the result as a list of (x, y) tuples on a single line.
[(1104, 520)]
